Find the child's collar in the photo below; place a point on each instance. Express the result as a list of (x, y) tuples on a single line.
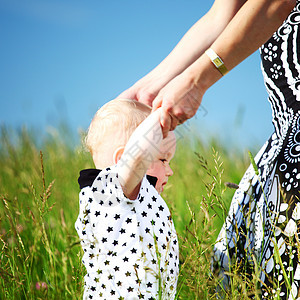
[(88, 176)]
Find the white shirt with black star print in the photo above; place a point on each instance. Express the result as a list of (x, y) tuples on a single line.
[(130, 246)]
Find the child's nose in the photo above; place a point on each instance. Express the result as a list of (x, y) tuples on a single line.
[(169, 171)]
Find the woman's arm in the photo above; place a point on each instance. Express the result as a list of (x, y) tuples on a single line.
[(140, 151), (193, 44), (250, 27)]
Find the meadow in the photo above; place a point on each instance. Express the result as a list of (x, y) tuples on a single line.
[(40, 254)]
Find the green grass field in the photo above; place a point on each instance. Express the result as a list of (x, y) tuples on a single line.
[(40, 255)]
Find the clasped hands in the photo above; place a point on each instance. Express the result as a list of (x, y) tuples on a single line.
[(179, 99)]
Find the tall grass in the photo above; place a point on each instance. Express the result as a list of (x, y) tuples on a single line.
[(40, 255)]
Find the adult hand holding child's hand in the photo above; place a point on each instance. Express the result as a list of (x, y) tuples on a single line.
[(179, 100)]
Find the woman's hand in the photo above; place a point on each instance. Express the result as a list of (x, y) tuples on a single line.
[(146, 89), (180, 100)]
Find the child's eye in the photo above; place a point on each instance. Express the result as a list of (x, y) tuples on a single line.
[(163, 160)]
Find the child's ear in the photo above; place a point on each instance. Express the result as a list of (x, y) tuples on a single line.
[(117, 154)]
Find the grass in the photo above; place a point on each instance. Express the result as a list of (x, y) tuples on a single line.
[(40, 255)]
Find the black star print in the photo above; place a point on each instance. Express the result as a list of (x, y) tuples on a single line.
[(149, 206), (97, 213), (94, 189), (161, 208), (147, 230), (141, 200), (104, 240), (133, 250), (144, 214), (164, 246), (106, 262), (136, 266), (127, 274), (112, 292), (125, 259), (109, 229), (115, 243), (117, 217), (91, 265), (154, 199), (99, 271), (157, 215), (152, 222), (149, 284), (153, 261), (150, 245), (132, 235), (90, 200), (110, 277), (116, 268), (103, 286), (119, 283), (161, 231), (122, 231), (141, 296), (85, 222), (101, 202), (130, 289), (128, 220), (93, 288), (124, 245), (96, 279), (83, 232)]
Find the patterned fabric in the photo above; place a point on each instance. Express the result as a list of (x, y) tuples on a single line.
[(263, 223), (130, 246)]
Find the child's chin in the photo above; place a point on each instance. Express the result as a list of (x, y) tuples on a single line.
[(159, 189)]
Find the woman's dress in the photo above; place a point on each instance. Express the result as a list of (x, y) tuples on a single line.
[(263, 224)]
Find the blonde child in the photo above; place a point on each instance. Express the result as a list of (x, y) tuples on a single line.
[(126, 230)]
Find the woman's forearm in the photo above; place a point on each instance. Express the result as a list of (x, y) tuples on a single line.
[(197, 39), (251, 27)]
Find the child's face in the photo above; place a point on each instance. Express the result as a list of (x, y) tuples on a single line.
[(160, 167)]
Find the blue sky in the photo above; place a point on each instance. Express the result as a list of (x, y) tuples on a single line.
[(62, 60)]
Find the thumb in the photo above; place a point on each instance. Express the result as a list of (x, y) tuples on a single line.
[(157, 102), (165, 122)]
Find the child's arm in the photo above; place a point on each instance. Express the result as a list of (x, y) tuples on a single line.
[(141, 149)]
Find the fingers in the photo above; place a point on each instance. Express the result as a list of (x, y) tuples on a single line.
[(165, 122), (157, 102), (128, 94)]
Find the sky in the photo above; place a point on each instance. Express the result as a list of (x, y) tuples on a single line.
[(62, 60)]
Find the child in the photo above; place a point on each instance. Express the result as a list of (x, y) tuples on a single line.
[(126, 230)]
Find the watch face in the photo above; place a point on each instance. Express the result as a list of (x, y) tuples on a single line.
[(218, 62)]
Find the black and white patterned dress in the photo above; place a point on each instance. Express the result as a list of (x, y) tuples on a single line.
[(264, 218), (130, 246)]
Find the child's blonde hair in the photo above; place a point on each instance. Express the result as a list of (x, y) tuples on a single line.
[(113, 124)]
